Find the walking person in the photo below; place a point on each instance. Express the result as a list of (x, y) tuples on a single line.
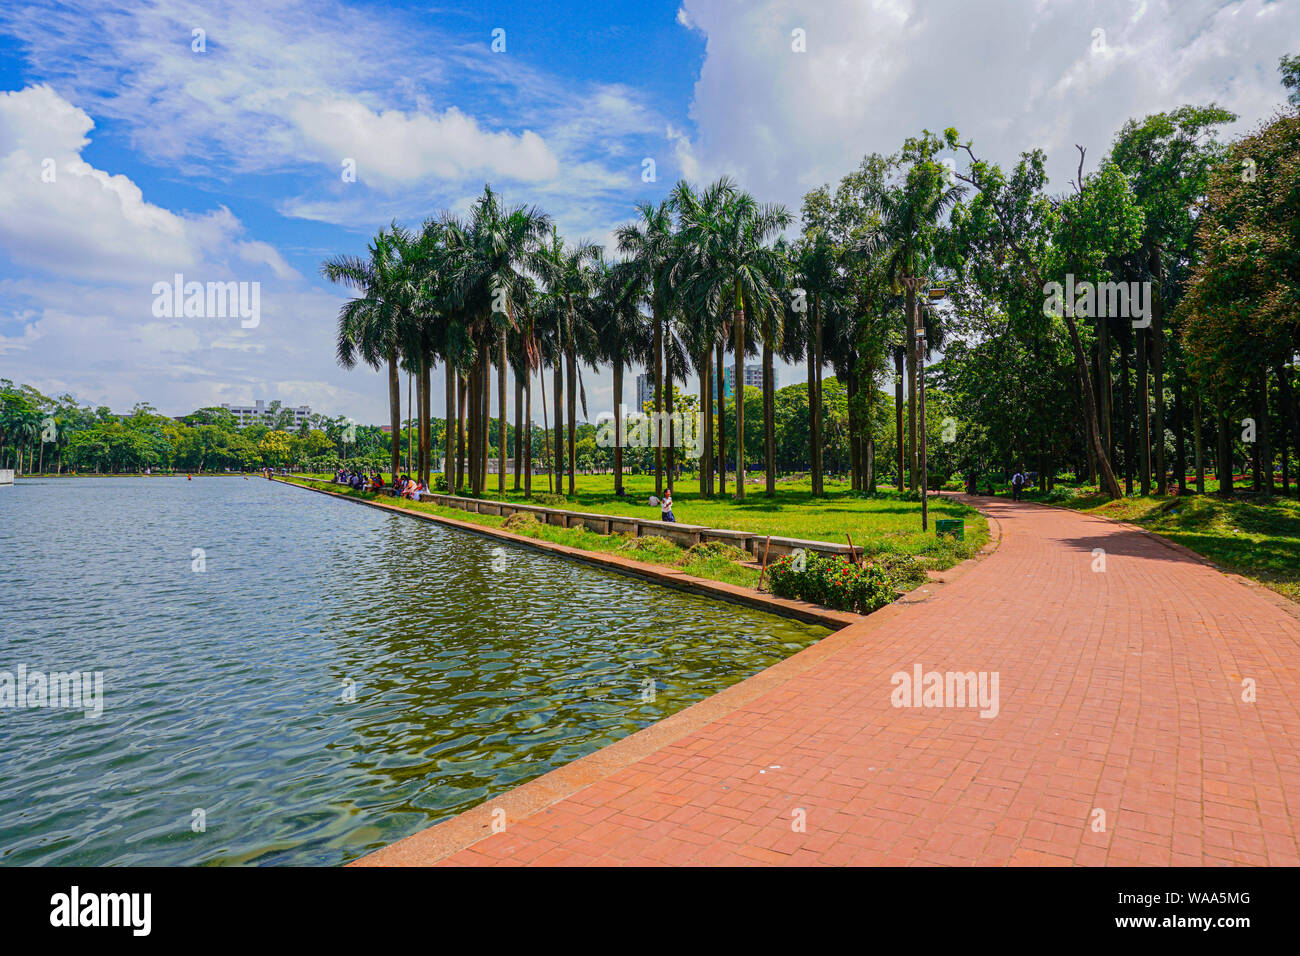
[(1017, 484)]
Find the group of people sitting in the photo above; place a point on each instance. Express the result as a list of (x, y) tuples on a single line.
[(403, 486), (406, 487)]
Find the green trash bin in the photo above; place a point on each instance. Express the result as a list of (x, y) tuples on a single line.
[(953, 526)]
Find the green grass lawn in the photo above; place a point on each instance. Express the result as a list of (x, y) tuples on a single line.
[(886, 523), (1255, 537)]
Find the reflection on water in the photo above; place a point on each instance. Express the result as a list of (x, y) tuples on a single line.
[(474, 667)]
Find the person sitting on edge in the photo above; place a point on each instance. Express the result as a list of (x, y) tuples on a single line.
[(666, 507)]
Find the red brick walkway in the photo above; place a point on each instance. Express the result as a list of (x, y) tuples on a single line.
[(1120, 692)]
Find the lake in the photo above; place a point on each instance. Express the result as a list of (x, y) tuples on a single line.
[(293, 679)]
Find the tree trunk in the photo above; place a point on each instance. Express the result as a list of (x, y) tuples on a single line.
[(1157, 372), (571, 361), (394, 408), (911, 389), (722, 419), (528, 432), (1198, 442), (1126, 403), (1144, 413), (557, 383), (738, 327), (471, 428), (812, 410), (819, 472), (659, 389), (1290, 411), (769, 414), (410, 412), (618, 424), (1103, 384), (705, 428), (1263, 435), (546, 431), (1180, 435), (460, 432), (1090, 410), (519, 429), (426, 420), (450, 428), (670, 461), (898, 411), (1223, 462)]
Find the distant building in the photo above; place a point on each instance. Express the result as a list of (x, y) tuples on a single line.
[(645, 391), (754, 376), (259, 413), (728, 385)]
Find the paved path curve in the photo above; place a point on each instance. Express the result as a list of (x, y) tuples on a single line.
[(1121, 736)]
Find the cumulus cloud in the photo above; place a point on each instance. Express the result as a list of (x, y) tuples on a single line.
[(1011, 76)]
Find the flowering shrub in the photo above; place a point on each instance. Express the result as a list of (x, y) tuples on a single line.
[(833, 583)]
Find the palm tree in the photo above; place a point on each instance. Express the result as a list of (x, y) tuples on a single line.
[(621, 334), (370, 325), (910, 215), (737, 270), (651, 248), (569, 276), (494, 254)]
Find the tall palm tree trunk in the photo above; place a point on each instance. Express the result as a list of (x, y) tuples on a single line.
[(898, 412), (618, 424), (738, 322), (558, 382), (722, 417), (769, 415), (816, 400), (426, 420), (670, 461), (473, 405), (449, 429), (528, 432), (911, 389), (659, 397), (409, 413), (519, 429), (460, 432), (704, 429), (571, 363), (501, 412), (394, 408)]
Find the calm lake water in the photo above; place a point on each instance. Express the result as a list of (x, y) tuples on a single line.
[(474, 667)]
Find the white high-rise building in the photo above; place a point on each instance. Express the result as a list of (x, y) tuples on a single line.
[(259, 413), (645, 391)]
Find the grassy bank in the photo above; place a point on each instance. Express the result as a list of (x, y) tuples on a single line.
[(887, 524), (1255, 537)]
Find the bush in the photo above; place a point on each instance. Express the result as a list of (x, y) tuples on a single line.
[(652, 547), (833, 583), (521, 521), (717, 549), (902, 570), (549, 499)]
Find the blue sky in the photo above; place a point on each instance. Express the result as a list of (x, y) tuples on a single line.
[(225, 164)]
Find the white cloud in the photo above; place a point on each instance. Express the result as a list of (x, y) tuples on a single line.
[(1011, 76)]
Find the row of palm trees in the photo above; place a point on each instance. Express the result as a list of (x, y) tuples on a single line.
[(701, 273)]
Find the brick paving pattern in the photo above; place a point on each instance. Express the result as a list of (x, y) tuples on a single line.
[(1121, 691)]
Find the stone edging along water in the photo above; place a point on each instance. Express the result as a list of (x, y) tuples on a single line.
[(655, 573)]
